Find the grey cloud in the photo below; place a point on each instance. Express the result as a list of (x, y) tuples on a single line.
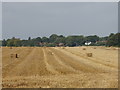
[(43, 19)]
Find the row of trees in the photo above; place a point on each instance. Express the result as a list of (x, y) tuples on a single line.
[(60, 40)]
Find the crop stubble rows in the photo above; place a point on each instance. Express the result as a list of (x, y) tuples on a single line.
[(58, 67)]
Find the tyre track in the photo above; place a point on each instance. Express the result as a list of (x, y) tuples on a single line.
[(91, 59), (33, 72), (40, 64), (48, 66), (10, 69), (24, 68), (6, 59), (77, 65), (65, 69), (16, 60), (88, 63)]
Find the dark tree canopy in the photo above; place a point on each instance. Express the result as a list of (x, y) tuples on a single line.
[(114, 40), (58, 40)]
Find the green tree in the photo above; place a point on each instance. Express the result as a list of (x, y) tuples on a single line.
[(10, 42), (29, 38), (60, 39), (14, 42), (17, 42), (114, 40), (4, 42), (0, 42), (75, 40), (24, 43), (53, 38), (45, 39), (70, 41), (92, 39), (103, 38), (38, 39)]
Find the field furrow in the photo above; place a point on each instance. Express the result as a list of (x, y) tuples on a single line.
[(98, 67), (94, 59), (59, 67), (74, 62), (63, 67)]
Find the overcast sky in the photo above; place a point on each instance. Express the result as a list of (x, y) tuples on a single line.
[(0, 20), (22, 20)]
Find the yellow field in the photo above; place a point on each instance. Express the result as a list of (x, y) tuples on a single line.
[(60, 67)]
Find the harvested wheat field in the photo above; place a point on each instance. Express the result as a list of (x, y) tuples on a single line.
[(59, 67)]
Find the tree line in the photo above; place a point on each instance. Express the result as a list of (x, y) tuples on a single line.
[(60, 40)]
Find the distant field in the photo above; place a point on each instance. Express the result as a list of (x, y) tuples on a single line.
[(60, 67)]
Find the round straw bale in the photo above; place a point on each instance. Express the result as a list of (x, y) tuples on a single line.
[(89, 54), (84, 48)]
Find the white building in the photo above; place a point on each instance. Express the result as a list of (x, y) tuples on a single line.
[(87, 43)]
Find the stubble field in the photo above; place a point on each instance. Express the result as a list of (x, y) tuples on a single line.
[(59, 67)]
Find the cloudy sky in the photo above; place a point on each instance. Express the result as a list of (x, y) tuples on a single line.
[(0, 20), (32, 19)]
